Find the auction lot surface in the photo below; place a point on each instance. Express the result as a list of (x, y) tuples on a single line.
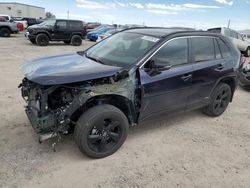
[(186, 150)]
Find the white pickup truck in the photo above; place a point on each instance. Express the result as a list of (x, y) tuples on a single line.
[(235, 37), (6, 28), (15, 19)]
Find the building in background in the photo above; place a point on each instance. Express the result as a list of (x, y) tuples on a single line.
[(21, 10)]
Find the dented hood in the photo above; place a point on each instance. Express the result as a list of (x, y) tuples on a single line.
[(65, 69)]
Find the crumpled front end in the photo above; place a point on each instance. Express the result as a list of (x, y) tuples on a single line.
[(41, 119), (55, 108)]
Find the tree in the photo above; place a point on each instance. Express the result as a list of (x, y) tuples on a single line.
[(49, 15)]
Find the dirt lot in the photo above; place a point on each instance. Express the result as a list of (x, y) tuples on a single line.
[(186, 150)]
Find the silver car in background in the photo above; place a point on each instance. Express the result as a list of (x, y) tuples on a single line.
[(235, 37)]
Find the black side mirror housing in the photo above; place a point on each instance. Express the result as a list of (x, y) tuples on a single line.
[(152, 64), (153, 68)]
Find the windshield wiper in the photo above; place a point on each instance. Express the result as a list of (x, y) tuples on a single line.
[(94, 59)]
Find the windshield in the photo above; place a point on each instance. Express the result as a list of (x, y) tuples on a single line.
[(48, 23), (122, 49)]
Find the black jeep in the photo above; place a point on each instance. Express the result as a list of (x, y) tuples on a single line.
[(68, 31)]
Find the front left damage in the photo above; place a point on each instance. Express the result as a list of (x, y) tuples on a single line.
[(55, 109)]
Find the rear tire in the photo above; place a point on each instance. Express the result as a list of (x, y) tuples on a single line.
[(42, 39), (76, 40), (219, 100), (4, 32), (101, 131)]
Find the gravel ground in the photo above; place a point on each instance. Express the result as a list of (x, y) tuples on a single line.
[(185, 150)]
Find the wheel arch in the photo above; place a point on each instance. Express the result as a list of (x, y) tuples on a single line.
[(231, 81), (43, 32), (6, 27), (119, 101), (75, 33)]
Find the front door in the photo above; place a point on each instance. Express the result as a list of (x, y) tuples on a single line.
[(60, 30), (166, 89)]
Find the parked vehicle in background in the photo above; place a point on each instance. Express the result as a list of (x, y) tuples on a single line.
[(244, 76), (93, 35), (3, 19), (7, 28), (20, 20), (125, 79), (7, 17), (91, 26), (235, 37), (108, 33), (246, 37), (68, 31), (28, 21), (20, 26)]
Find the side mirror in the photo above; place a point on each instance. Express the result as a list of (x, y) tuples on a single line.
[(153, 65), (153, 68)]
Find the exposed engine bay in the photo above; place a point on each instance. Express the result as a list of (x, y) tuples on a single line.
[(56, 108)]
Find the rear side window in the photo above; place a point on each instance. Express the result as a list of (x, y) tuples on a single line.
[(225, 51), (203, 48), (75, 25), (217, 50)]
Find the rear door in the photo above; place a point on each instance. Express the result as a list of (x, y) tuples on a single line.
[(208, 67), (76, 26), (167, 90)]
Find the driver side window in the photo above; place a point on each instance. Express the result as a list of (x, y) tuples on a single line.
[(61, 25), (173, 53)]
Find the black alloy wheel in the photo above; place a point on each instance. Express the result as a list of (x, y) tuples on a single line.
[(76, 40), (104, 135), (4, 32), (219, 100), (42, 39), (101, 131)]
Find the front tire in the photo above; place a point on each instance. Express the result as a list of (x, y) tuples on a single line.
[(33, 41), (76, 40), (4, 32), (101, 131), (219, 100), (42, 39)]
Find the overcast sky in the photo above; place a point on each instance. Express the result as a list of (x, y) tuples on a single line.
[(168, 13)]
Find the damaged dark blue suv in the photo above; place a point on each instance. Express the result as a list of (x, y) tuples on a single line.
[(126, 79)]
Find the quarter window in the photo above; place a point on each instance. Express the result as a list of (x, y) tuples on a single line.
[(75, 25), (203, 48), (217, 50), (173, 53), (224, 49)]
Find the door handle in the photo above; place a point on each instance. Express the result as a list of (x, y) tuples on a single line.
[(186, 77), (219, 68)]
